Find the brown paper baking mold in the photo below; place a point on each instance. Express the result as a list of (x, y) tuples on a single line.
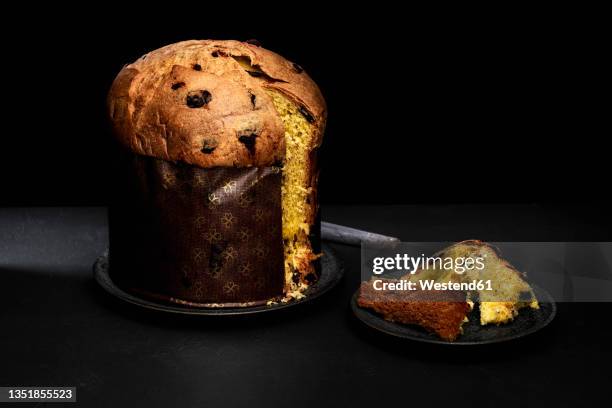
[(193, 236)]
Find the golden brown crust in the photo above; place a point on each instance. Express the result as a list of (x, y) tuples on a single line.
[(196, 102), (440, 312)]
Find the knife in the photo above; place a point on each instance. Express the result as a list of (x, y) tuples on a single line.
[(351, 236)]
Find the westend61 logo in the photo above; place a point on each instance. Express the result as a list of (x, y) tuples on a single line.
[(411, 264)]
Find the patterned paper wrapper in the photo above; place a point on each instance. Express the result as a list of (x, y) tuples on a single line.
[(193, 236)]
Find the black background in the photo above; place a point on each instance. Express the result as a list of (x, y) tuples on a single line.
[(431, 107), (437, 107)]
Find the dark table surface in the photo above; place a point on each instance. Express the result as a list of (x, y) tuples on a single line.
[(58, 328)]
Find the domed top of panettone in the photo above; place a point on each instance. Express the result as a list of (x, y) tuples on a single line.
[(209, 103)]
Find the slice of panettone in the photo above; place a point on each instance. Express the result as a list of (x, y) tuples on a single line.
[(509, 290)]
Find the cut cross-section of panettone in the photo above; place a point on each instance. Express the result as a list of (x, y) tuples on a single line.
[(196, 116), (298, 194)]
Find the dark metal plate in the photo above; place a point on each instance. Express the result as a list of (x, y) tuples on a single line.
[(528, 321), (332, 271)]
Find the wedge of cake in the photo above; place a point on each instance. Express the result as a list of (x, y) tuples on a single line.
[(440, 312), (509, 290)]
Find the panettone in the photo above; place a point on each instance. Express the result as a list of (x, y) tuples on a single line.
[(216, 183)]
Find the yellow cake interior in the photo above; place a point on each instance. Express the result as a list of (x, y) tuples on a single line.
[(503, 302), (296, 190)]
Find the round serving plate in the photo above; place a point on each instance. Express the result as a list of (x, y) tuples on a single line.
[(332, 271), (527, 322)]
